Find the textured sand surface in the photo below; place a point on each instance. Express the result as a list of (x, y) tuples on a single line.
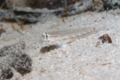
[(78, 60)]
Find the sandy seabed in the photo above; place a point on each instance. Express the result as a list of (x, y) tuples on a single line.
[(78, 60)]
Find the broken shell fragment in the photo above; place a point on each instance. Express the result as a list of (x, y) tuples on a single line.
[(105, 38)]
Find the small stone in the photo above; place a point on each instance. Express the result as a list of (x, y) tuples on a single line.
[(6, 74), (12, 48), (105, 38), (22, 63), (1, 31)]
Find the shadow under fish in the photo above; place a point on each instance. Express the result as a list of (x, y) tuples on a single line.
[(49, 48)]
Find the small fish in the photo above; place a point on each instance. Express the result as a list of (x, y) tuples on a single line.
[(67, 36)]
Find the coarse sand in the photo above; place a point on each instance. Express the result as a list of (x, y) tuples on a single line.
[(85, 58)]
